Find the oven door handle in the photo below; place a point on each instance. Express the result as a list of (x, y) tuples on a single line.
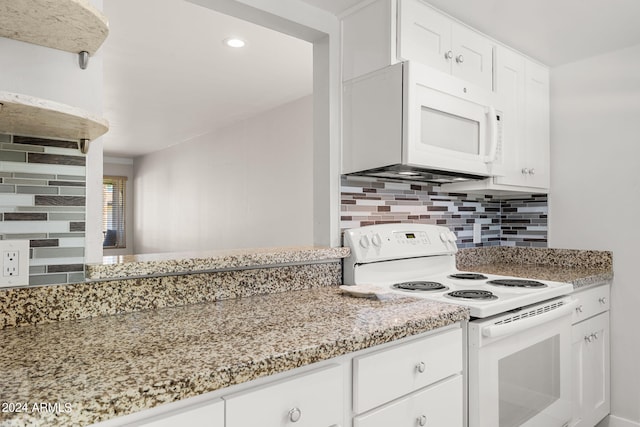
[(529, 322)]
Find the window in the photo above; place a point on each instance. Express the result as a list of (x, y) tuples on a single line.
[(114, 211)]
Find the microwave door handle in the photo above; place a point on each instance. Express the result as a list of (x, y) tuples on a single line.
[(493, 122), (529, 322)]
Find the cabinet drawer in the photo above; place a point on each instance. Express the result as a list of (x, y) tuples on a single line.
[(200, 415), (391, 373), (309, 400), (438, 405), (591, 302)]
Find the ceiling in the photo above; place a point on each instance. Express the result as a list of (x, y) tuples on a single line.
[(168, 78)]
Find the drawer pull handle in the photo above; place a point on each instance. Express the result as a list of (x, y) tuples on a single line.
[(421, 367), (603, 300), (295, 414), (422, 420)]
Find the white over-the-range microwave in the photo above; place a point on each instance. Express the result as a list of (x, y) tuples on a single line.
[(408, 121)]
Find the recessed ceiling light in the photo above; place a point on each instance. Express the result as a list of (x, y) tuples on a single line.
[(234, 42)]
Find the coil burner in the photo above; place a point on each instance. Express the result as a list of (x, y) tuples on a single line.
[(473, 294), (517, 283), (420, 286), (468, 276)]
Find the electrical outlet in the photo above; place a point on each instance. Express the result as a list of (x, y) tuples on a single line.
[(477, 233), (11, 263), (15, 263)]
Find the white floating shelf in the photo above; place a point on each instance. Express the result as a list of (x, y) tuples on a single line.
[(30, 116), (69, 25)]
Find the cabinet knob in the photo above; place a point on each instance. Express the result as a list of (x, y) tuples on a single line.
[(448, 55), (588, 338), (579, 309), (421, 367), (295, 414), (525, 171), (459, 59), (422, 420), (603, 300), (595, 335), (532, 171)]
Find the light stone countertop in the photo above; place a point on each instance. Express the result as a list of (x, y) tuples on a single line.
[(579, 277), (110, 366), (582, 268), (128, 266)]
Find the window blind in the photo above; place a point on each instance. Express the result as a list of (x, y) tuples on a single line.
[(114, 211)]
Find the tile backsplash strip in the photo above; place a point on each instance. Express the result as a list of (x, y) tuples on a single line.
[(514, 222), (42, 199)]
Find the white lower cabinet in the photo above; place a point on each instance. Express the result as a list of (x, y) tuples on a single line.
[(439, 405), (416, 381), (309, 400), (209, 414), (590, 352), (397, 371)]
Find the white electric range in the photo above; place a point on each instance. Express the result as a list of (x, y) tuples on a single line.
[(515, 323), (419, 259)]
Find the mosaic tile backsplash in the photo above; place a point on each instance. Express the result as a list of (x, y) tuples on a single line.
[(513, 222), (42, 199)]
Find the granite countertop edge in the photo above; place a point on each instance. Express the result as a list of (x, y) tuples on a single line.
[(162, 264)]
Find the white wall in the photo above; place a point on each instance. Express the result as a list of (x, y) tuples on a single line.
[(299, 19), (248, 185), (595, 192), (114, 166)]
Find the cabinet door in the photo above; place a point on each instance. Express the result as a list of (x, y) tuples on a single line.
[(536, 113), (510, 91), (424, 35), (397, 371), (439, 405), (308, 400), (203, 415), (591, 371), (472, 57)]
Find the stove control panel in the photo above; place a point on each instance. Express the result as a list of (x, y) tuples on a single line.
[(392, 241), (412, 238)]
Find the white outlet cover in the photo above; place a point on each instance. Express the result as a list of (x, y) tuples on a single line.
[(22, 248), (477, 232)]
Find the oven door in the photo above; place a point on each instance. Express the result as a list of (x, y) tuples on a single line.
[(520, 367)]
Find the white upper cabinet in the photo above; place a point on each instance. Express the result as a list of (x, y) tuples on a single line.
[(510, 90), (536, 118), (427, 36), (523, 90), (424, 35), (386, 32)]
